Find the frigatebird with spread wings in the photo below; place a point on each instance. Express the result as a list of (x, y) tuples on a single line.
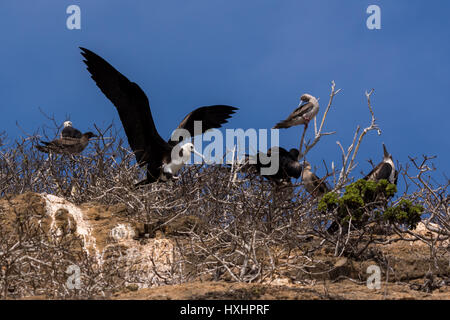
[(134, 110)]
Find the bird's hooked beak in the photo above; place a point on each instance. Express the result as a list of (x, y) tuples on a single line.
[(199, 154), (386, 153)]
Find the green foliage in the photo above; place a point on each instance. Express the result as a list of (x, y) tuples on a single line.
[(329, 202), (404, 213), (365, 199)]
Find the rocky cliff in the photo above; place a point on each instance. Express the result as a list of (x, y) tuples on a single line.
[(52, 248)]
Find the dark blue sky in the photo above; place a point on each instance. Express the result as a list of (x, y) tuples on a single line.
[(258, 55)]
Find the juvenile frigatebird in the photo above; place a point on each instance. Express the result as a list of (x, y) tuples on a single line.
[(134, 110), (66, 144)]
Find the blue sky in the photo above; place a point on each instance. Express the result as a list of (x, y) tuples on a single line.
[(258, 55)]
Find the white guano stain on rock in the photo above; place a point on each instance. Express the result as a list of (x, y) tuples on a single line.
[(54, 203), (145, 264)]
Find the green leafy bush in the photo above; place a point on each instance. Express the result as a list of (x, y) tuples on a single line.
[(368, 199), (405, 212)]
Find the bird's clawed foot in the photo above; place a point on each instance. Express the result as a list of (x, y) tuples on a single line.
[(170, 177)]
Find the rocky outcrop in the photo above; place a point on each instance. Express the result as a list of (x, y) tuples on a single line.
[(105, 233), (110, 247)]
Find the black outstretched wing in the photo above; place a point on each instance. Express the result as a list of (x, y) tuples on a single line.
[(71, 132), (381, 171), (132, 105), (211, 117)]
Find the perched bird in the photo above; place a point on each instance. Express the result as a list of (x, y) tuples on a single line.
[(69, 131), (134, 110), (384, 170), (288, 165), (303, 114), (313, 184), (66, 145)]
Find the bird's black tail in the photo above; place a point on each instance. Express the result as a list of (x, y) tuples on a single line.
[(282, 125), (45, 142), (42, 148)]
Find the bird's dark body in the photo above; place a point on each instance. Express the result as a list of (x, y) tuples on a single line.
[(66, 145), (382, 171), (289, 167), (71, 132)]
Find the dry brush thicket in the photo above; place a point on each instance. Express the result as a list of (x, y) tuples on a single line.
[(226, 224)]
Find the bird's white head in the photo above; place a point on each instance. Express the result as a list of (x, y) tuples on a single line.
[(67, 124), (186, 151), (180, 155)]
